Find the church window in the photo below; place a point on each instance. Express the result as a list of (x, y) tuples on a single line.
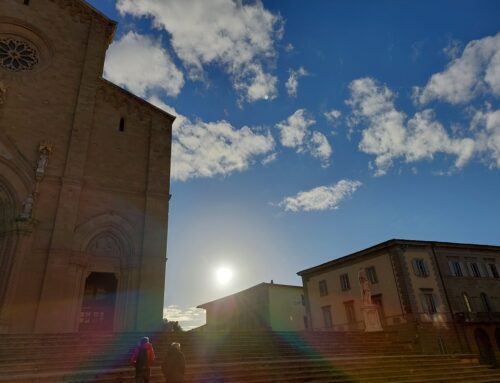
[(323, 288), (17, 55), (344, 282), (121, 128)]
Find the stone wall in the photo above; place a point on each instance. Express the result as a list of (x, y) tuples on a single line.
[(99, 179)]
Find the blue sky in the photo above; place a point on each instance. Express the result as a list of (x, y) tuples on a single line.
[(311, 129)]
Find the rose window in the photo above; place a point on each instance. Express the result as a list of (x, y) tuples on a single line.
[(17, 55)]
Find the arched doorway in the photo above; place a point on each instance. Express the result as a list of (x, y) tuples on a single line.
[(98, 307), (484, 346)]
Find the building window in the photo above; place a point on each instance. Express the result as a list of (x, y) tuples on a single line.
[(371, 274), (468, 306), (474, 268), (121, 127), (349, 312), (323, 288), (327, 316), (429, 303), (420, 268), (377, 301), (344, 282), (494, 270), (456, 269), (486, 303), (303, 299)]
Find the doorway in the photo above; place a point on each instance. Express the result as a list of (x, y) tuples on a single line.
[(486, 352), (98, 306)]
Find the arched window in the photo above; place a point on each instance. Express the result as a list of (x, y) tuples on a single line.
[(121, 128), (468, 306), (486, 303)]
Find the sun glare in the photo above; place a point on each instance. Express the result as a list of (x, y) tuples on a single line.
[(223, 275)]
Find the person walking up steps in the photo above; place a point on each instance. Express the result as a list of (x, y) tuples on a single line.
[(173, 364), (142, 359)]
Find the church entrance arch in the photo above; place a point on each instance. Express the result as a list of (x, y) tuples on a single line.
[(486, 352), (98, 306)]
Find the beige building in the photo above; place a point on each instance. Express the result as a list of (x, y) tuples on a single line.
[(84, 179), (266, 306), (446, 295)]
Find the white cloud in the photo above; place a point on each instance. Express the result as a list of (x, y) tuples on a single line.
[(486, 124), (140, 64), (453, 49), (292, 83), (389, 136), (319, 148), (476, 71), (188, 318), (293, 130), (333, 115), (321, 198), (270, 158), (294, 133), (238, 36), (208, 149)]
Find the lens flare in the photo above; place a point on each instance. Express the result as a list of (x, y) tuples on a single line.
[(223, 275)]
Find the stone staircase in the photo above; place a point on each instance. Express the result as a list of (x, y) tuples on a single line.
[(247, 357)]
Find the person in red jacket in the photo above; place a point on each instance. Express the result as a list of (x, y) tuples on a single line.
[(142, 359)]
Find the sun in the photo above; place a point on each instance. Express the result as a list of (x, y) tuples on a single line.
[(223, 275)]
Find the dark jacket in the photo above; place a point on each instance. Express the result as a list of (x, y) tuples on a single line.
[(150, 355), (173, 365)]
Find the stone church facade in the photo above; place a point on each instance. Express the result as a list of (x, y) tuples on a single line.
[(84, 179)]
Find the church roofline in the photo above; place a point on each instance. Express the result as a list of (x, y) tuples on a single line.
[(358, 255), (137, 98), (105, 19)]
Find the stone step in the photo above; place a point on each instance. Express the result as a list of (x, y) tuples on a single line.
[(341, 367)]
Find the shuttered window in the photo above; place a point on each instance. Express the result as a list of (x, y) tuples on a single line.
[(420, 267)]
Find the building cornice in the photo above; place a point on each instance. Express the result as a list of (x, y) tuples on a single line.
[(82, 11), (122, 96), (370, 251)]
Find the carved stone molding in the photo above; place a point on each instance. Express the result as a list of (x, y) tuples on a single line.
[(81, 12), (76, 9), (17, 54), (3, 93), (105, 245), (121, 100)]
